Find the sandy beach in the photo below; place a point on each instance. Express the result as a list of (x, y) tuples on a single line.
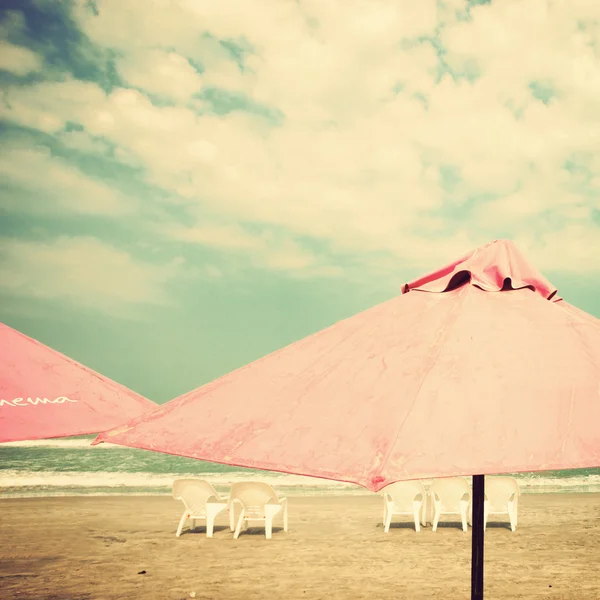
[(125, 547)]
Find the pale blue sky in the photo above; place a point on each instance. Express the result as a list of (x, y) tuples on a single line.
[(187, 186)]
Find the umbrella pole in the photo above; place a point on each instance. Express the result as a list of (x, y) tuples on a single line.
[(477, 538)]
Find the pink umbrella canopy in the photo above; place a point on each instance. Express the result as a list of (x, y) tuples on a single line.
[(478, 368), (44, 394)]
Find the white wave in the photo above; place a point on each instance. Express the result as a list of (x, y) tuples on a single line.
[(58, 443), (17, 482), (535, 483), (20, 479)]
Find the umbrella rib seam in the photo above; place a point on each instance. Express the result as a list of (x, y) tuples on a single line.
[(444, 338)]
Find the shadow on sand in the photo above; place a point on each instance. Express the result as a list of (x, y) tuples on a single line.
[(201, 530)]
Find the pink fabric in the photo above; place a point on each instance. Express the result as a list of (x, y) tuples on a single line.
[(44, 394), (462, 382), (493, 267)]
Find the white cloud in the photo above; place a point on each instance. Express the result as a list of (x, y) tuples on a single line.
[(355, 163), (47, 106), (84, 142), (229, 237), (39, 182), (164, 74), (262, 250), (572, 249), (514, 45), (213, 272), (550, 38), (83, 271), (19, 60)]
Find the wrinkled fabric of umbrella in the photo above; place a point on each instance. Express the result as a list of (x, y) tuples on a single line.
[(478, 368)]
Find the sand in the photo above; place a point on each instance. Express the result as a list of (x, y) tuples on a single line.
[(96, 547)]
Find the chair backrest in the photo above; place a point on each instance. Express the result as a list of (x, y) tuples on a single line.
[(450, 491), (194, 493), (403, 493), (500, 491), (253, 495)]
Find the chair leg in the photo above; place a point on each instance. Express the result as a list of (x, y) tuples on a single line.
[(210, 525), (436, 519), (424, 508), (387, 515), (269, 527), (388, 521), (285, 517), (212, 510), (512, 515), (486, 513), (239, 525), (181, 523), (463, 516), (416, 512)]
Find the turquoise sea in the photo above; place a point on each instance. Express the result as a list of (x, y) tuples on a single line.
[(72, 467)]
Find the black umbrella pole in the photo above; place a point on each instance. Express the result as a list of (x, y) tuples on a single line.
[(477, 538)]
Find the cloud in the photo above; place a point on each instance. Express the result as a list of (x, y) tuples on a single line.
[(83, 142), (84, 271), (405, 133), (19, 60), (228, 237), (316, 182), (260, 250), (501, 127), (49, 105), (164, 74), (39, 182), (571, 249)]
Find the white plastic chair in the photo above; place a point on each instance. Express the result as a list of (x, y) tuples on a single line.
[(404, 498), (450, 496), (258, 502), (502, 497), (201, 501)]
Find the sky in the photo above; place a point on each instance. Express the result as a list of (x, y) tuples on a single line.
[(188, 185)]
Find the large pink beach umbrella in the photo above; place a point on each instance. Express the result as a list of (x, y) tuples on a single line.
[(44, 394), (478, 368)]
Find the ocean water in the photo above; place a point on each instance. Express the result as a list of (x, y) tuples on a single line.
[(65, 467)]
